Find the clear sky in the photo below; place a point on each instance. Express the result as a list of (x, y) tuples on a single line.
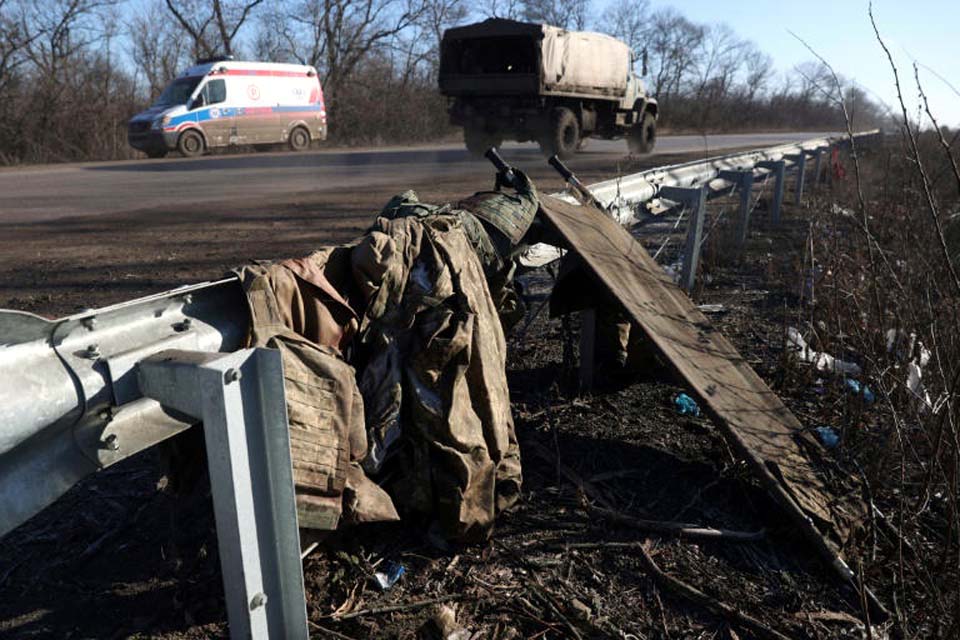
[(927, 31)]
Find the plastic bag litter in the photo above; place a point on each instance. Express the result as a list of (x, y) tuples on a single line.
[(903, 345), (389, 574), (711, 308), (828, 437), (820, 361), (860, 390), (686, 406), (674, 270)]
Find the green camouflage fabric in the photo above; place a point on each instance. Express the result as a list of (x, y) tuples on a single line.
[(510, 214), (433, 372)]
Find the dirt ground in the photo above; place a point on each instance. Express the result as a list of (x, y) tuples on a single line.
[(117, 557)]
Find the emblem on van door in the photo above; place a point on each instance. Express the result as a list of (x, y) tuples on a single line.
[(214, 112), (253, 92)]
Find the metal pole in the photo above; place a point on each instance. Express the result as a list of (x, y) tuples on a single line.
[(801, 160), (240, 399), (744, 182), (817, 167), (778, 167), (696, 200)]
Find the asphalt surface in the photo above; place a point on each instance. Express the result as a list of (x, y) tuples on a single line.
[(47, 192)]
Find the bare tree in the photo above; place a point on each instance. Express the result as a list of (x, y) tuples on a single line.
[(439, 15), (672, 41), (418, 47), (759, 72), (336, 35), (13, 39), (214, 25), (629, 21), (156, 47), (506, 9), (720, 56), (568, 14)]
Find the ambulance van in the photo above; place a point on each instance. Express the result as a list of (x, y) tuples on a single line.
[(223, 102)]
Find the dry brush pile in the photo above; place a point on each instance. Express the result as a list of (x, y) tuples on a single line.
[(880, 292)]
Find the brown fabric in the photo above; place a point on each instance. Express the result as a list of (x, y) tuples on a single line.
[(434, 346), (750, 413), (317, 311), (324, 406)]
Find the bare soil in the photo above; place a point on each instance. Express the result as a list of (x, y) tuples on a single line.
[(119, 558)]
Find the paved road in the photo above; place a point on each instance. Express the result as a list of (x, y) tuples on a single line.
[(58, 191)]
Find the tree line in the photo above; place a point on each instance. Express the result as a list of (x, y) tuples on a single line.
[(72, 72)]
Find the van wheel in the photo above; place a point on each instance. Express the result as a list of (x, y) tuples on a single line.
[(564, 134), (299, 139), (643, 136), (190, 144)]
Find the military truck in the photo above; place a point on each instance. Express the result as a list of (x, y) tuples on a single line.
[(515, 80)]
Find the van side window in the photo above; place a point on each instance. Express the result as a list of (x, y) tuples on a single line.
[(215, 91)]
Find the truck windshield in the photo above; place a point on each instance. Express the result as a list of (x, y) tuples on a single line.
[(178, 92), (473, 56)]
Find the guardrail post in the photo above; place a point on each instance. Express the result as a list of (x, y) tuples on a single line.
[(694, 198), (240, 399), (744, 181), (778, 167), (817, 167), (800, 160)]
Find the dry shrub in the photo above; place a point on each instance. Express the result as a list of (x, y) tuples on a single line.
[(885, 295)]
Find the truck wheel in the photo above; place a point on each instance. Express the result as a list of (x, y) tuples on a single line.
[(299, 139), (564, 134), (643, 136), (190, 144), (478, 141)]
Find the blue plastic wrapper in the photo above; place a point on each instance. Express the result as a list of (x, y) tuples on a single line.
[(860, 390), (828, 437), (686, 406), (388, 575)]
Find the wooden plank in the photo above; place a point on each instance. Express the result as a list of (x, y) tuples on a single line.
[(751, 415)]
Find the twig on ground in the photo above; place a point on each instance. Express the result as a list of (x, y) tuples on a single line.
[(717, 607), (330, 632), (677, 528), (409, 606)]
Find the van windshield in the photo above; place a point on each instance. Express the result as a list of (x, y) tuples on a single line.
[(178, 92)]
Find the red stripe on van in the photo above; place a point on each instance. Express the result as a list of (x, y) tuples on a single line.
[(262, 72)]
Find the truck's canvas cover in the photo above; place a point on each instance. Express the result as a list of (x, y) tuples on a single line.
[(583, 62), (569, 62)]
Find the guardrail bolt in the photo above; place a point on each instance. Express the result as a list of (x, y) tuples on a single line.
[(232, 375), (90, 323), (188, 299), (92, 352), (258, 601), (184, 325), (111, 442)]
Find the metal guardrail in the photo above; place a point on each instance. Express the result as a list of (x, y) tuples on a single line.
[(717, 176), (71, 401), (70, 404)]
